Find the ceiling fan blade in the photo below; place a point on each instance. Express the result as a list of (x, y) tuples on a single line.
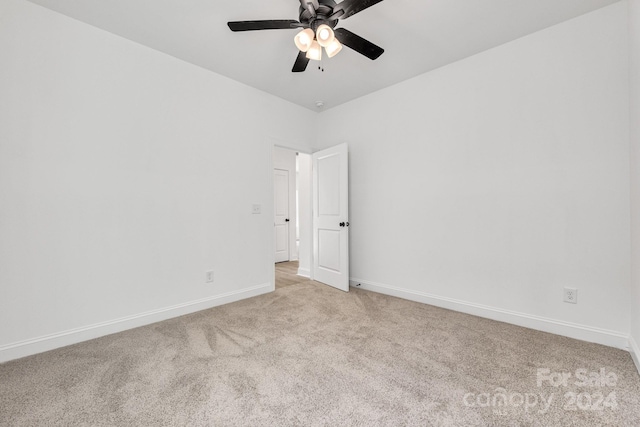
[(358, 44), (301, 63), (349, 8), (273, 24)]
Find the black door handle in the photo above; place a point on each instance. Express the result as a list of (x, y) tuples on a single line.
[(286, 220), (341, 224)]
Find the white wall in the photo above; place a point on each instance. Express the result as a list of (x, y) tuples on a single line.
[(125, 174), (634, 73), (490, 184)]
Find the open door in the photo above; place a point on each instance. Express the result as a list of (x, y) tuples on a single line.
[(331, 217)]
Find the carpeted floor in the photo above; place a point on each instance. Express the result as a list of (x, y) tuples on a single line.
[(310, 355)]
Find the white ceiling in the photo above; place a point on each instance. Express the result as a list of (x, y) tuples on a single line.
[(417, 35)]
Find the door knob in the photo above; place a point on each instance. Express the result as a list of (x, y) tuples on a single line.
[(286, 220), (341, 224)]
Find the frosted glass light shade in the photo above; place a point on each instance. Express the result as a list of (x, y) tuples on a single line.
[(333, 48), (304, 39), (315, 51), (324, 35)]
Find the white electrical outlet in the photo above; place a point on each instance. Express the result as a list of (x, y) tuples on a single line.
[(571, 295), (209, 276), (256, 209)]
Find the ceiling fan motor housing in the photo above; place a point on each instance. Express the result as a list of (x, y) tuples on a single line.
[(322, 13)]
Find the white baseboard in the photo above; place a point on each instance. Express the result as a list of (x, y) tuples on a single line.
[(73, 336), (304, 272), (558, 327), (635, 352)]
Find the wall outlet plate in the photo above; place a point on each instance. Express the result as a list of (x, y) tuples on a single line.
[(571, 295), (256, 209), (209, 276)]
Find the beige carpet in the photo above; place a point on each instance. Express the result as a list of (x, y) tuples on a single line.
[(308, 355)]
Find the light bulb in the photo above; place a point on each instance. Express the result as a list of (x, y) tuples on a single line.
[(325, 35), (315, 51), (304, 39), (333, 48)]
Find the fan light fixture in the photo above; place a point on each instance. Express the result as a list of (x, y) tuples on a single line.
[(333, 48), (304, 39), (315, 51), (312, 44), (325, 35)]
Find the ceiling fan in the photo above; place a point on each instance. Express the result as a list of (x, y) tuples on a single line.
[(318, 19)]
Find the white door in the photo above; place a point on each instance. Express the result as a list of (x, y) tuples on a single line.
[(331, 217), (281, 206)]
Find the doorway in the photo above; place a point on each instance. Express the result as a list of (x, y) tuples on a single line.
[(311, 218), (292, 212)]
